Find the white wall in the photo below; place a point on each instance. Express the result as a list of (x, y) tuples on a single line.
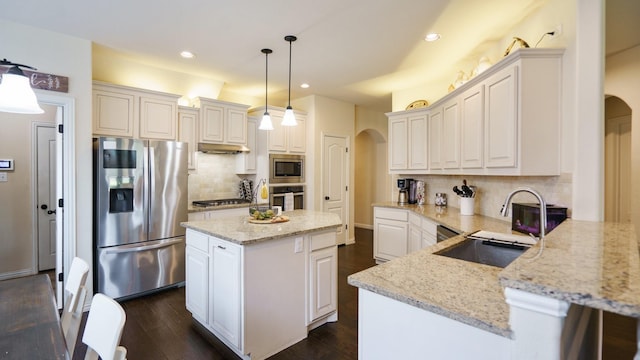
[(66, 56)]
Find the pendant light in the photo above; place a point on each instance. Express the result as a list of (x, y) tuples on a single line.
[(265, 123), (16, 94), (289, 118)]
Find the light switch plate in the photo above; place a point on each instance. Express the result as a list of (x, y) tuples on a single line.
[(298, 245), (3, 177)]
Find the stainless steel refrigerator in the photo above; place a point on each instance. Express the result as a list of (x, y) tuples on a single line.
[(140, 198)]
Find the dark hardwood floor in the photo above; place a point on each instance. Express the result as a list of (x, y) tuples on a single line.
[(159, 327)]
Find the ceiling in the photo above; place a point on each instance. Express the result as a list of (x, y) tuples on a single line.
[(358, 51)]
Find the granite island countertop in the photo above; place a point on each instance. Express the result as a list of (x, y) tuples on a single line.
[(239, 230), (587, 263)]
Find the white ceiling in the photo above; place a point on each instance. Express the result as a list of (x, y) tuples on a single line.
[(355, 50)]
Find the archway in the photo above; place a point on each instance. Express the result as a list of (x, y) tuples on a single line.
[(371, 175)]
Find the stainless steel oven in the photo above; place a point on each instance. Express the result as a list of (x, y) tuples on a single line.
[(286, 168), (278, 195)]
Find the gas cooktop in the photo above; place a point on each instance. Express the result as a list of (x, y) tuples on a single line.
[(220, 202)]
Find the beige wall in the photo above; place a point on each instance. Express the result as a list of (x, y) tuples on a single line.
[(622, 76), (67, 56)]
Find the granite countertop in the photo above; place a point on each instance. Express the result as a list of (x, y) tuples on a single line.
[(588, 263), (238, 230)]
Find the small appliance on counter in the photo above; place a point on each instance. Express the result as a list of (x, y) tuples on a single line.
[(403, 191), (525, 217), (413, 191)]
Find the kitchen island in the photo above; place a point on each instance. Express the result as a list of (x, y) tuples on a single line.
[(538, 307), (260, 288)]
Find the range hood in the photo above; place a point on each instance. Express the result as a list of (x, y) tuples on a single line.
[(222, 148)]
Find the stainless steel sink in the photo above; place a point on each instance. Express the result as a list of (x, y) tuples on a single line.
[(484, 252)]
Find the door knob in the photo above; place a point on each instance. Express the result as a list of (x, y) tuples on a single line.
[(326, 198), (44, 207), (51, 212)]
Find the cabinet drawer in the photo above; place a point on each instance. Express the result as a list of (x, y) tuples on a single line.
[(198, 240), (323, 240), (391, 214), (429, 226)]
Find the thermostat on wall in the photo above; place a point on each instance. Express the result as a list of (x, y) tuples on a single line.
[(6, 164)]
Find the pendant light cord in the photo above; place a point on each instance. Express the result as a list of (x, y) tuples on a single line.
[(266, 53), (290, 39)]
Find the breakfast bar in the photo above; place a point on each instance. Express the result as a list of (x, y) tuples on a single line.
[(260, 287)]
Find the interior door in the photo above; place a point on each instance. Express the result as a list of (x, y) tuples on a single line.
[(46, 196), (334, 185)]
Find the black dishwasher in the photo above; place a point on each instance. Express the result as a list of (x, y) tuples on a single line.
[(444, 233)]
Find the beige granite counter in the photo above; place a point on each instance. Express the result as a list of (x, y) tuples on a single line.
[(238, 230), (587, 263), (193, 209)]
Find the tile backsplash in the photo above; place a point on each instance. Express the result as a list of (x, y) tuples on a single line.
[(215, 178), (491, 191)]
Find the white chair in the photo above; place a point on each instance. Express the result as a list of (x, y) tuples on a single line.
[(103, 329), (74, 303)]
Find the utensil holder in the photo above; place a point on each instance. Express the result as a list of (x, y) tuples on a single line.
[(466, 205)]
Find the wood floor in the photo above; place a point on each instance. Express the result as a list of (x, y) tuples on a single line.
[(159, 327)]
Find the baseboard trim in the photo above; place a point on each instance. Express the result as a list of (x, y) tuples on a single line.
[(16, 274), (364, 226)]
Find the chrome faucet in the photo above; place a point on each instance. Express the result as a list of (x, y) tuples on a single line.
[(543, 208)]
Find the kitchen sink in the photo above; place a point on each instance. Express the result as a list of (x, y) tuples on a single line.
[(484, 252)]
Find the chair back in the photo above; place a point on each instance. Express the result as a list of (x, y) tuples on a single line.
[(104, 328), (74, 303)]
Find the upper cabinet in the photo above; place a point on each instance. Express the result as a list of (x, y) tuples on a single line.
[(131, 112), (222, 122), (407, 145), (505, 121), (284, 139), (247, 163), (188, 132)]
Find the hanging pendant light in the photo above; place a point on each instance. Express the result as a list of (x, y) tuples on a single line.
[(16, 94), (289, 118), (265, 123)]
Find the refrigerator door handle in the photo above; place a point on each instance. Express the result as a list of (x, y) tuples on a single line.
[(121, 249)]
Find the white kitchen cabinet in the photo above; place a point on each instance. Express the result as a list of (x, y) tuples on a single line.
[(197, 275), (188, 132), (131, 112), (450, 143), (222, 122), (390, 233), (225, 293), (408, 145), (505, 121), (247, 163), (415, 233), (429, 232), (283, 139), (472, 128), (217, 214), (323, 275)]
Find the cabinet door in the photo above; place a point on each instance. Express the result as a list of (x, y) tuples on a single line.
[(472, 129), (277, 136), (188, 132), (417, 142), (323, 278), (236, 126), (428, 239), (501, 141), (298, 136), (225, 290), (197, 283), (113, 113), (246, 163), (398, 142), (435, 139), (390, 238), (157, 118), (451, 135), (212, 123), (415, 238)]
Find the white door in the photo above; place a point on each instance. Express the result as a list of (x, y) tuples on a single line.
[(46, 196), (335, 179)]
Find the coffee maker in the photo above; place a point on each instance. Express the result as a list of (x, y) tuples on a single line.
[(403, 191)]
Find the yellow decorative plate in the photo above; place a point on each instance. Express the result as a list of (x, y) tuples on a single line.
[(418, 104)]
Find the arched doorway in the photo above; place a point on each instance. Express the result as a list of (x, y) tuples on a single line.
[(617, 145), (371, 175)]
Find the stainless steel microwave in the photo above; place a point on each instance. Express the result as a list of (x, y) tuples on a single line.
[(285, 168)]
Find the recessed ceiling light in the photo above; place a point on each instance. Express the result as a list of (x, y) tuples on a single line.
[(304, 86), (432, 37), (187, 54)]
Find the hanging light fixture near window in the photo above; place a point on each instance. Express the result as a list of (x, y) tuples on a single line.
[(16, 94), (289, 118), (265, 123)]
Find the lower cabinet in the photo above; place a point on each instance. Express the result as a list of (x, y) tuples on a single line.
[(217, 214), (398, 232), (323, 275), (197, 271), (225, 293)]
